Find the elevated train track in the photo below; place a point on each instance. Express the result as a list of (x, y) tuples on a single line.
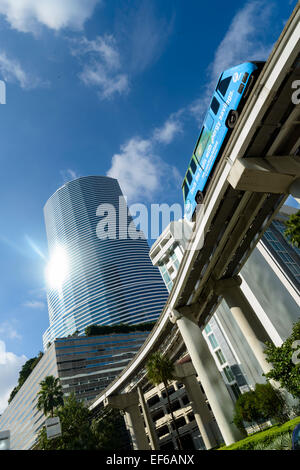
[(265, 141)]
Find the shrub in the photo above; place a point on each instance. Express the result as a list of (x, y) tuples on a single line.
[(265, 438)]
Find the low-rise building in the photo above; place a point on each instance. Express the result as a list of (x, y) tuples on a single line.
[(85, 365)]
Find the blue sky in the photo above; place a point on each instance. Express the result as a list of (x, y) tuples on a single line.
[(111, 87)]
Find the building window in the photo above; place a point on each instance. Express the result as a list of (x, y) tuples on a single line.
[(170, 391), (213, 341), (185, 400), (229, 375), (158, 415), (153, 400), (220, 357), (236, 390), (162, 431)]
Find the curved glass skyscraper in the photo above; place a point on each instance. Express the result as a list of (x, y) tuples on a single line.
[(97, 274)]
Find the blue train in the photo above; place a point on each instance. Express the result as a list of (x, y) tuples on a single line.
[(229, 97)]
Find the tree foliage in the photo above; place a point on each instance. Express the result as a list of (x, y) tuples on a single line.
[(285, 369), (76, 431), (292, 231), (261, 404), (80, 432), (160, 370), (24, 373), (98, 330), (109, 430), (50, 395)]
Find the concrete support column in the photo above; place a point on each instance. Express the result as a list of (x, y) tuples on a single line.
[(148, 420), (211, 380), (186, 373), (245, 317), (129, 402)]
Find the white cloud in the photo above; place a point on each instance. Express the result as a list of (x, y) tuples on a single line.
[(102, 66), (242, 41), (10, 366), (8, 330), (27, 15), (140, 172), (69, 175), (34, 304), (12, 72), (168, 131)]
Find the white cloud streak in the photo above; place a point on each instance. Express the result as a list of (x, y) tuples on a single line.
[(28, 15), (8, 330), (68, 175), (168, 131), (35, 304), (102, 66), (12, 72)]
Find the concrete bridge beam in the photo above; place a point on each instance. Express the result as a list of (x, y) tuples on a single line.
[(278, 175)]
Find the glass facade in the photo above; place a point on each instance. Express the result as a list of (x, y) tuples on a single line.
[(87, 364), (107, 280), (288, 254)]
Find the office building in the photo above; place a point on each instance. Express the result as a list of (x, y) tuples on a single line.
[(99, 270), (270, 281), (85, 365)]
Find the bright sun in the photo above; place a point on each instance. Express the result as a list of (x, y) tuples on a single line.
[(57, 268)]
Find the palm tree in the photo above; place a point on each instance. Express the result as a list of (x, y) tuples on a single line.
[(160, 370), (50, 395), (292, 231)]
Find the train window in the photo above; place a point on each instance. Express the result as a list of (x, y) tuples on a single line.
[(189, 176), (185, 190), (202, 143), (215, 105), (223, 85), (193, 165)]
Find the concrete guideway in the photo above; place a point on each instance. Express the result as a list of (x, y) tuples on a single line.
[(258, 169)]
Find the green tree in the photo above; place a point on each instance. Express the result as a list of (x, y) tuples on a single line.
[(292, 231), (75, 425), (270, 403), (261, 404), (108, 430), (286, 369), (24, 373), (246, 409), (81, 432), (160, 370), (50, 395)]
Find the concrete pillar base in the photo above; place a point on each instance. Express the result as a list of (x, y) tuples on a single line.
[(211, 380), (245, 317), (129, 402), (186, 373)]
